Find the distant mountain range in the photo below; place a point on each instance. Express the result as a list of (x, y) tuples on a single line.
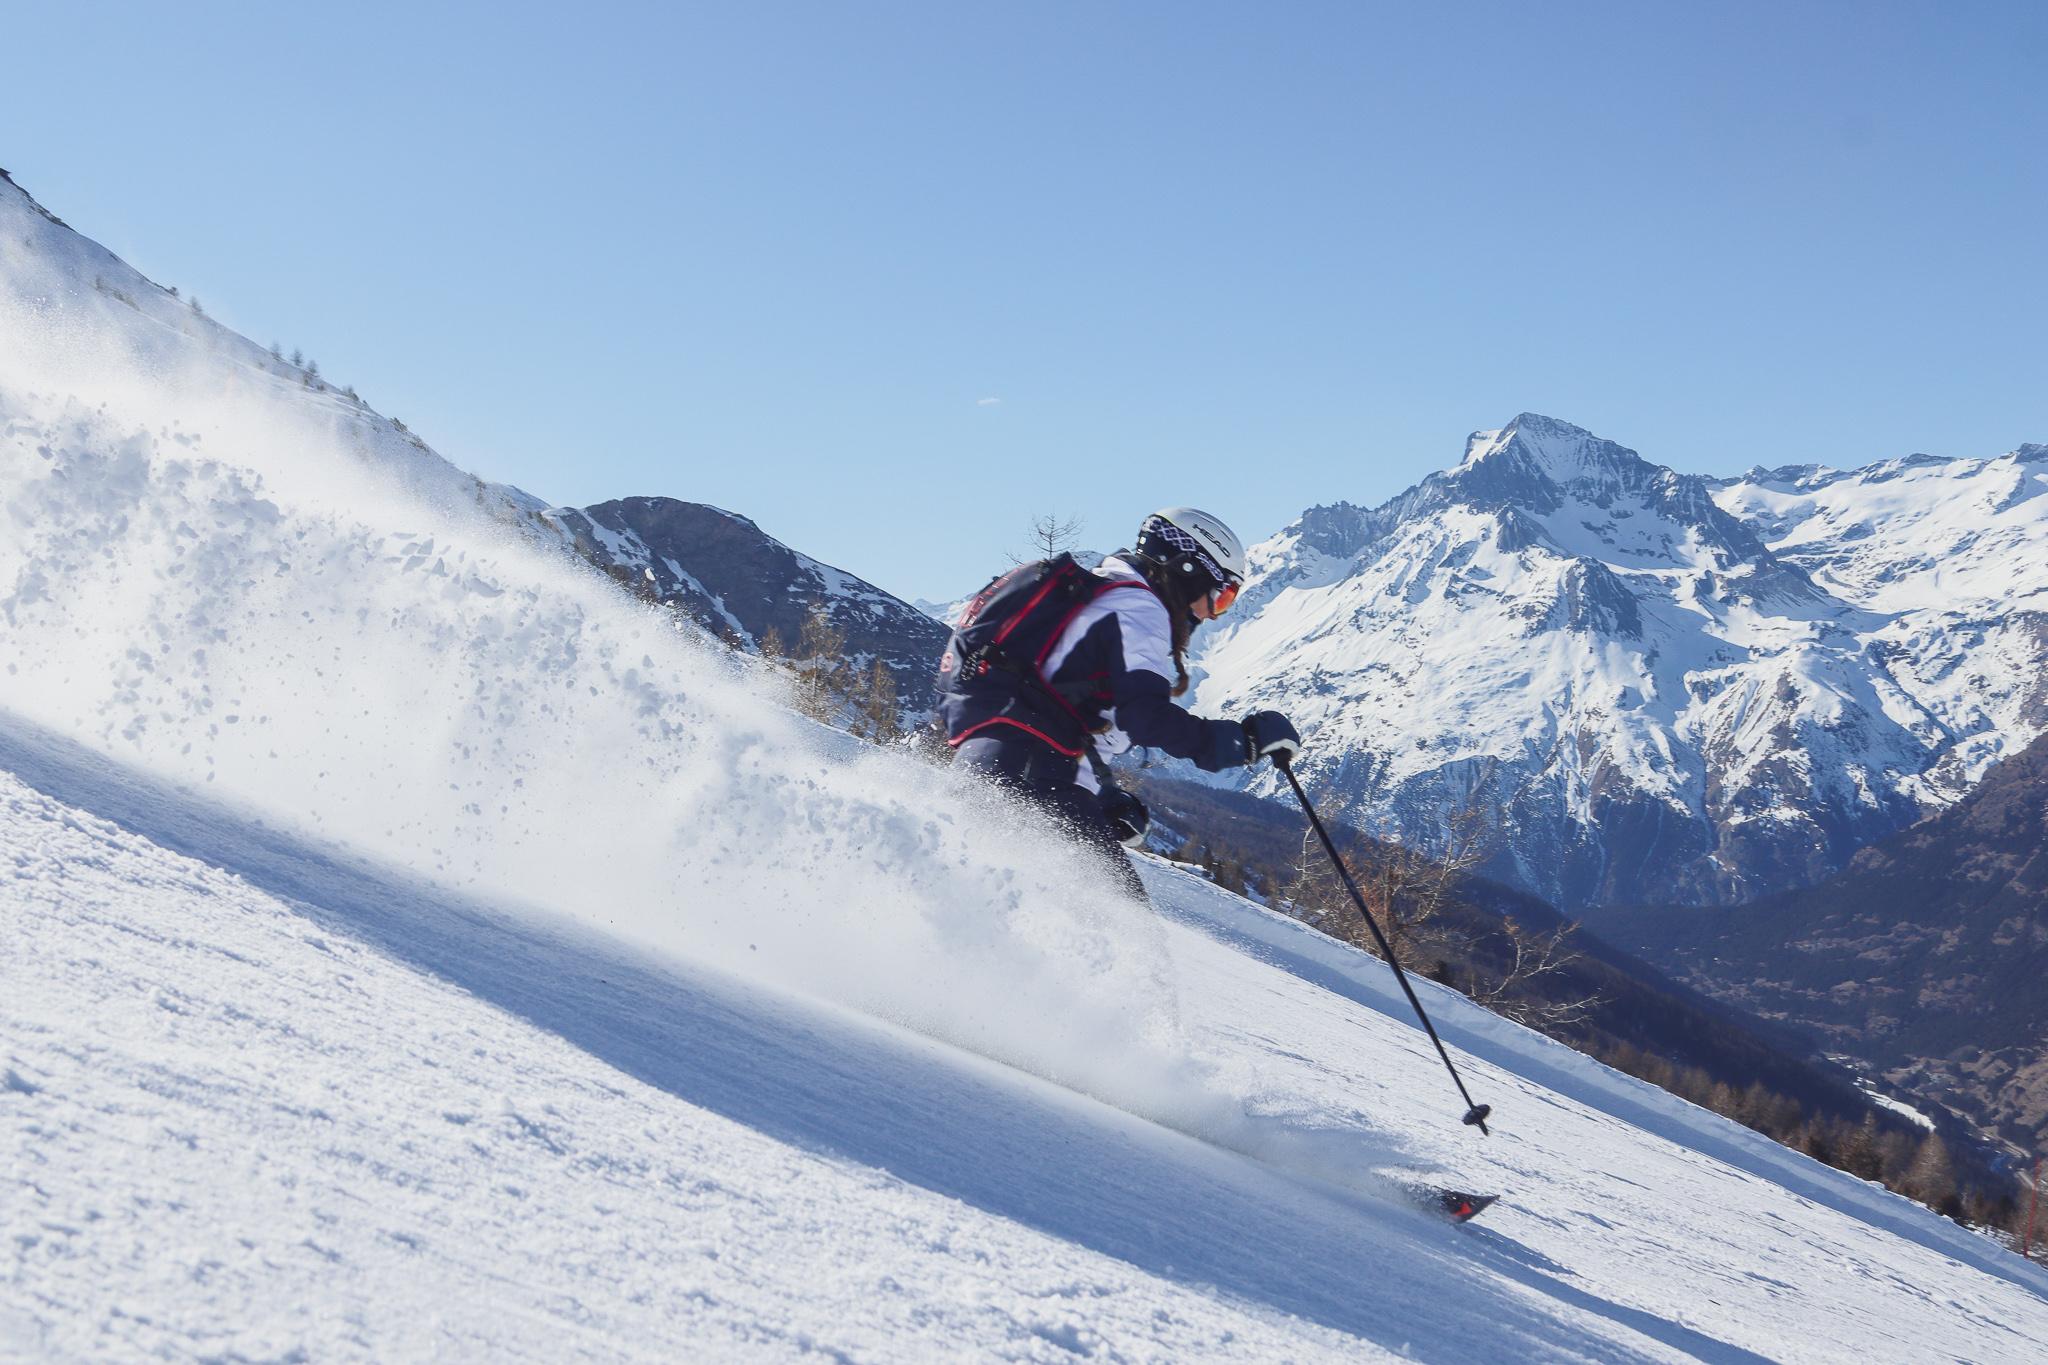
[(1926, 958), (1652, 686)]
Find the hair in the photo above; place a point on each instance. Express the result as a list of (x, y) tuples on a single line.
[(1178, 616)]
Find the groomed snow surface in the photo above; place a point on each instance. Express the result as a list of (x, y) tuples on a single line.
[(415, 947), (261, 1102)]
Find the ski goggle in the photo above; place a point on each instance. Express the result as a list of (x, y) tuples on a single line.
[(1220, 600)]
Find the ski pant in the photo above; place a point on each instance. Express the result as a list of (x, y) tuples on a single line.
[(1044, 776)]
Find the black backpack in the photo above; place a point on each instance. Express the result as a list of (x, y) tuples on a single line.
[(992, 672)]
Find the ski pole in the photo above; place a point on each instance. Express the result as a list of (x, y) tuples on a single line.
[(2033, 1198), (1475, 1114)]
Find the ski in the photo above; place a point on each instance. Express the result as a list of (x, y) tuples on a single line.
[(1458, 1206)]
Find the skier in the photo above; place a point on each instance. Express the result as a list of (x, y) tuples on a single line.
[(1053, 669)]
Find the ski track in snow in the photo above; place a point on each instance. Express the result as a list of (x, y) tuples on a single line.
[(261, 1099)]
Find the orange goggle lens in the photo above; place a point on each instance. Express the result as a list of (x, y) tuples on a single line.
[(1223, 597)]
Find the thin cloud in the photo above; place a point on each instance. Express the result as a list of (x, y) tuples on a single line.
[(988, 402)]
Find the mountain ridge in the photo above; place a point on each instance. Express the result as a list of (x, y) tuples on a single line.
[(1673, 687), (741, 584)]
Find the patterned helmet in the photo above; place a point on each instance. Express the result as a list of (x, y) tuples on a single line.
[(1184, 540)]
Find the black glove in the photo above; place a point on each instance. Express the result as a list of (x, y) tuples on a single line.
[(1126, 815), (1268, 734)]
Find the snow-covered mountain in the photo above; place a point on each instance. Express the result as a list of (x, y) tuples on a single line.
[(741, 584), (1650, 685), (78, 308), (417, 947)]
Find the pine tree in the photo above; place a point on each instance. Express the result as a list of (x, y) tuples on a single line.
[(1895, 1152), (1812, 1139), (1226, 867), (820, 666), (1857, 1151), (879, 716), (1931, 1178), (1753, 1108)]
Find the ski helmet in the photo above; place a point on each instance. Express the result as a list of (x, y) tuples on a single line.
[(1183, 541)]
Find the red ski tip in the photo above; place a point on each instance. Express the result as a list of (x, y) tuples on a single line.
[(1460, 1207)]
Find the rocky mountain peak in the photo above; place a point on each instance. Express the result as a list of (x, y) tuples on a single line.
[(1534, 458), (1551, 483), (1660, 685), (1530, 433)]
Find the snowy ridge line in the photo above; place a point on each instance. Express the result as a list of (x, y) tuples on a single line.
[(1662, 688), (73, 306)]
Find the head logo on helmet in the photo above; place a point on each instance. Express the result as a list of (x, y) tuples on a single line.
[(1184, 540)]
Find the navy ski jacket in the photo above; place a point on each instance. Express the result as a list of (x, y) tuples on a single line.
[(1115, 659)]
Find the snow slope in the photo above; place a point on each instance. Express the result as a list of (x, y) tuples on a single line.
[(417, 946), (219, 582), (262, 1099)]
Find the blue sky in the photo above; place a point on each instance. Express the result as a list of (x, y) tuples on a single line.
[(783, 257)]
